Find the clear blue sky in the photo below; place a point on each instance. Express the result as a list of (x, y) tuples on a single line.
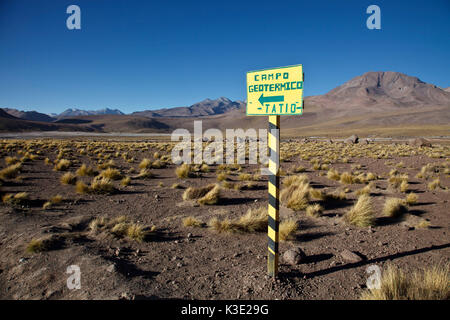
[(136, 55)]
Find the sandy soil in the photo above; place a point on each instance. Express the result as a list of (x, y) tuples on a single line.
[(198, 263)]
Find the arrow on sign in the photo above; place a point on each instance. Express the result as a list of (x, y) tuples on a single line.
[(263, 99)]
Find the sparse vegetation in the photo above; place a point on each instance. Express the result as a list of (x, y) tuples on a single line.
[(192, 222), (68, 178), (361, 214), (411, 198), (429, 284), (286, 229), (394, 207)]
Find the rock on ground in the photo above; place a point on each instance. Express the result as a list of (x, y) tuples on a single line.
[(294, 256)]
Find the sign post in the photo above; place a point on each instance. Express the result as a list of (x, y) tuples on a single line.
[(274, 92)]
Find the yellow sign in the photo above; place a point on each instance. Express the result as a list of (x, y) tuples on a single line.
[(276, 91)]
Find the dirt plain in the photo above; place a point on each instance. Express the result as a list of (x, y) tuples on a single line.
[(197, 262)]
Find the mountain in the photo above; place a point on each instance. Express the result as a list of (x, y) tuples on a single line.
[(447, 89), (9, 123), (383, 89), (375, 103), (29, 115), (79, 112), (206, 107)]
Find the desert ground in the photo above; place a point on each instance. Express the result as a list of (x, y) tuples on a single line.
[(140, 227)]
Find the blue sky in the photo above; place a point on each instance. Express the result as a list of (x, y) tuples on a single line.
[(136, 55)]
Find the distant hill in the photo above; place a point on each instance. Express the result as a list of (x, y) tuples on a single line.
[(79, 112), (29, 115), (380, 103), (9, 123), (206, 107), (447, 89)]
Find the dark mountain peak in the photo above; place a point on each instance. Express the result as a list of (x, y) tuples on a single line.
[(29, 115)]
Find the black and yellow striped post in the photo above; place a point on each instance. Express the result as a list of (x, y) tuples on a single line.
[(274, 192)]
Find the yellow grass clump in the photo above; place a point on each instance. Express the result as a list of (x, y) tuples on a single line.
[(192, 222), (20, 198), (56, 199), (145, 174), (196, 193), (84, 171), (212, 197), (222, 176), (11, 160), (295, 180), (411, 198), (434, 184), (314, 210), (101, 185), (287, 229), (394, 207), (10, 172), (111, 173), (68, 178), (432, 283), (121, 228), (81, 187), (184, 171), (125, 181), (346, 178), (63, 165), (361, 214), (296, 196), (333, 174), (255, 220), (404, 186), (145, 164)]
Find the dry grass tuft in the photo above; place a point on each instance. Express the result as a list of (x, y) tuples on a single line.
[(296, 196), (35, 246), (68, 178), (81, 188), (411, 198), (333, 174), (431, 283), (145, 164), (125, 181), (192, 222), (346, 178), (111, 173), (145, 174), (295, 180), (434, 184), (42, 244), (394, 207), (10, 172), (18, 199), (11, 160), (212, 197), (361, 214), (255, 220), (121, 228), (63, 165), (222, 176), (287, 229), (56, 199), (314, 210), (101, 186), (184, 171), (85, 171), (196, 193)]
